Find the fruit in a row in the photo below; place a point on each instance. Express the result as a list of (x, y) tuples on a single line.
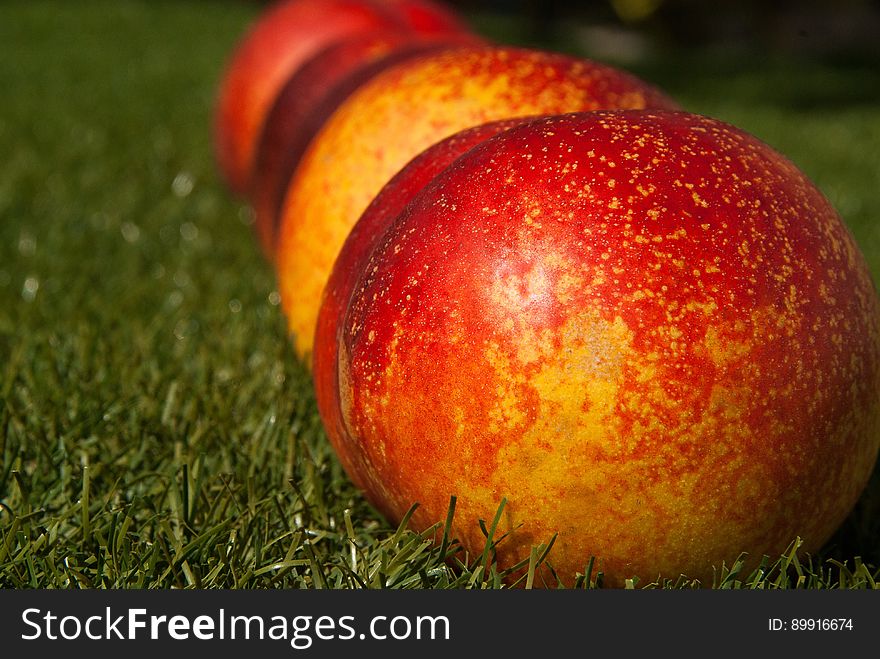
[(282, 40), (398, 113), (646, 330)]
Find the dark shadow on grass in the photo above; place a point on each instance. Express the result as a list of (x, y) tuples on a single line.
[(859, 535), (795, 84)]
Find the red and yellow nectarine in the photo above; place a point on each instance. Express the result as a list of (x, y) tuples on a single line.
[(648, 331)]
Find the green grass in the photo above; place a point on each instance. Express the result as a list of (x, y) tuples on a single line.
[(156, 430)]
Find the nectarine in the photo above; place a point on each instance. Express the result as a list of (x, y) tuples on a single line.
[(648, 331)]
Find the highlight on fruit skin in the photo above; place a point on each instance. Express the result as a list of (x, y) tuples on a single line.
[(648, 331), (281, 40), (397, 114)]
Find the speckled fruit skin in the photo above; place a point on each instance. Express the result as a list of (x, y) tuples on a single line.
[(285, 36), (399, 113), (309, 97), (647, 330)]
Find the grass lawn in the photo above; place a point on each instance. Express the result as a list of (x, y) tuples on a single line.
[(156, 430)]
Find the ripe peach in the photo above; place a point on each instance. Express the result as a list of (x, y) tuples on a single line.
[(280, 41), (399, 113), (648, 331)]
